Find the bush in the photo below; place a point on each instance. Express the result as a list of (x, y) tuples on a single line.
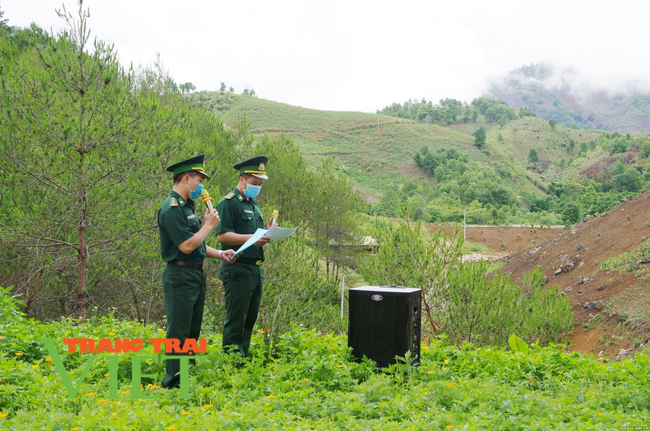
[(311, 381), (461, 299)]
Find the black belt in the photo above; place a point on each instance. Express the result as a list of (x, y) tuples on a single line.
[(194, 265)]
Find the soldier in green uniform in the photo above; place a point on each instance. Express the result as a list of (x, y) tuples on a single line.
[(182, 246), (242, 279)]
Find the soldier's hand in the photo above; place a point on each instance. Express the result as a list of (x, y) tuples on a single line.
[(262, 241), (211, 218), (226, 255)]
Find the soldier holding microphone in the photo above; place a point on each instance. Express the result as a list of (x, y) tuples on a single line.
[(182, 246)]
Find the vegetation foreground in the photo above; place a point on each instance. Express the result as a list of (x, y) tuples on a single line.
[(306, 380)]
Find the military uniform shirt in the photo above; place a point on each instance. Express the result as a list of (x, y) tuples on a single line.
[(177, 222), (242, 216)]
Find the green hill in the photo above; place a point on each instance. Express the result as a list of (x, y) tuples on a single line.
[(373, 149), (377, 152)]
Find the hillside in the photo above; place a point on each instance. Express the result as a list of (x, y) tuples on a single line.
[(567, 98), (373, 149), (512, 143), (496, 184), (601, 264)]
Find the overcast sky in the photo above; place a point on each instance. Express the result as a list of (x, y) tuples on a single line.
[(363, 55)]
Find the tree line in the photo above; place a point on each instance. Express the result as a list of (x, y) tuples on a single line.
[(451, 111)]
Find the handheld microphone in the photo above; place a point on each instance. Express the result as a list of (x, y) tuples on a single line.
[(206, 199), (274, 218)]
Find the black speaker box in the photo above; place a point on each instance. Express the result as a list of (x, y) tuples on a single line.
[(384, 322)]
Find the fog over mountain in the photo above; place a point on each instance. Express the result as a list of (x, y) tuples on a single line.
[(573, 97)]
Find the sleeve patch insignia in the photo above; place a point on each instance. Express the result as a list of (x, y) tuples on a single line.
[(173, 202)]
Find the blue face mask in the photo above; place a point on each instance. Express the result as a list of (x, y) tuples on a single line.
[(252, 191), (195, 194)]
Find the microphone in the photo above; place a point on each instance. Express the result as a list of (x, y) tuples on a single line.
[(206, 199), (274, 218)]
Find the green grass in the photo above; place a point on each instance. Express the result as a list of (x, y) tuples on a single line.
[(473, 247), (371, 156), (306, 380), (374, 156)]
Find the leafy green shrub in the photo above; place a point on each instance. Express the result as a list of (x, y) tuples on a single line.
[(311, 381), (459, 298)]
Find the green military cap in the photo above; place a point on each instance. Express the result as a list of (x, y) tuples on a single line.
[(195, 164), (255, 166)]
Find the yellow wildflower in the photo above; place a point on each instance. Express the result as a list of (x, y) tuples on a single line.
[(170, 428), (207, 406), (268, 329), (75, 428), (48, 359), (106, 375), (430, 372), (4, 415), (340, 366), (449, 427), (446, 362), (111, 333), (532, 380), (539, 357), (261, 331), (19, 353), (35, 366), (153, 386), (450, 384), (270, 396), (124, 392), (601, 414), (159, 329), (185, 413), (425, 347), (304, 379), (267, 404), (91, 394), (559, 372), (102, 400)]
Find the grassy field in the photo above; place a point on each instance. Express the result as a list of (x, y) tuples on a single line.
[(375, 149), (306, 380)]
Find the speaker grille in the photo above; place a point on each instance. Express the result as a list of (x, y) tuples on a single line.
[(384, 323)]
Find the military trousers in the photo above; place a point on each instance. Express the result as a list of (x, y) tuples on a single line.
[(184, 289), (242, 283)]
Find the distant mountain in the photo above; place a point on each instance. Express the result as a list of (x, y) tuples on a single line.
[(570, 99)]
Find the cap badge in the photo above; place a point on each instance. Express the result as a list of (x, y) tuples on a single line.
[(262, 167)]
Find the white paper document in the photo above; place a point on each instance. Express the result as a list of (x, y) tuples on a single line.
[(281, 232), (273, 233)]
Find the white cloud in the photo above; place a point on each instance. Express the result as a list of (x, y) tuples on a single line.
[(364, 55)]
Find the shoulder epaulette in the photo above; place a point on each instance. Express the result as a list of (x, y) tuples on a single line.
[(229, 196), (173, 202)]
